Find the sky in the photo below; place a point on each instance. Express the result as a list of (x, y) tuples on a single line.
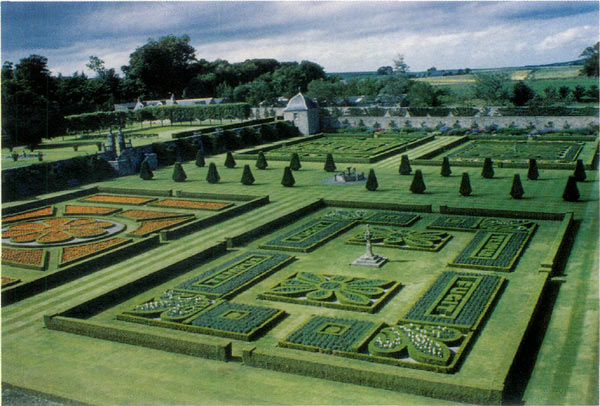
[(341, 36)]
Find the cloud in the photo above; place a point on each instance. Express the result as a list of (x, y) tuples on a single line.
[(565, 37)]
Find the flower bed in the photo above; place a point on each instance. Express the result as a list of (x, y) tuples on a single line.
[(192, 204), (78, 252), (511, 151), (171, 306), (139, 215), (26, 258), (76, 210), (119, 199), (472, 223), (310, 235), (152, 226), (56, 230), (6, 282), (30, 215), (404, 239)]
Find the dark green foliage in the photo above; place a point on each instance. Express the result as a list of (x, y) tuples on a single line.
[(178, 173), (571, 193), (288, 178), (212, 176), (216, 318), (145, 172), (329, 164), (405, 168), (516, 191), (532, 172), (372, 184), (229, 161), (465, 185), (446, 171), (261, 161), (521, 94), (418, 184), (314, 233), (488, 169), (295, 162), (200, 159), (579, 173), (247, 178)]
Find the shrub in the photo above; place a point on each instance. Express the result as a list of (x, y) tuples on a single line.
[(288, 179), (571, 193), (372, 184), (405, 168), (145, 172), (229, 161), (212, 176), (200, 159), (295, 162), (261, 161), (446, 171), (532, 172), (465, 185), (579, 173), (329, 164), (418, 185), (516, 190), (14, 156), (247, 178), (178, 173), (488, 169)]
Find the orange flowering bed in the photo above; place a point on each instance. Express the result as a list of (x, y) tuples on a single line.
[(152, 226), (27, 258), (55, 230), (75, 253), (140, 215), (6, 282), (93, 210), (32, 214), (119, 199), (191, 204)]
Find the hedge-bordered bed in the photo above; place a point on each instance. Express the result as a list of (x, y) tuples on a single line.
[(309, 236)]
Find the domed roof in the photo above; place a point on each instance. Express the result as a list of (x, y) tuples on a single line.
[(300, 103)]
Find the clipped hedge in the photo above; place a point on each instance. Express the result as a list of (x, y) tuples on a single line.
[(34, 204), (420, 208), (555, 253), (474, 211), (133, 191)]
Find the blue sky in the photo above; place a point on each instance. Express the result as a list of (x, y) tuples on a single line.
[(341, 36)]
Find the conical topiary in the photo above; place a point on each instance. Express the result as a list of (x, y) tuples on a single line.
[(465, 185), (516, 191), (247, 178), (446, 171), (579, 173), (532, 172), (295, 162), (329, 164), (200, 159), (145, 172), (178, 173), (372, 184), (229, 161), (571, 193), (405, 168), (212, 176), (261, 161), (488, 168), (288, 179), (418, 184)]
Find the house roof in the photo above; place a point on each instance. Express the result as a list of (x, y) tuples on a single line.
[(300, 103)]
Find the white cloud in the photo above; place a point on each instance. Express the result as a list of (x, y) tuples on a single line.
[(565, 37)]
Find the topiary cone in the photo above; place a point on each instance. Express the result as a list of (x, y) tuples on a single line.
[(247, 178), (178, 173), (446, 171), (145, 172), (329, 164), (295, 162), (418, 184), (571, 193), (372, 184), (516, 191), (261, 161), (288, 179), (405, 168), (532, 172), (212, 176), (200, 159), (579, 172), (488, 169), (465, 185), (229, 161)]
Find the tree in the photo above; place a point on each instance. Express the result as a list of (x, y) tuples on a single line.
[(571, 193), (329, 163), (212, 176), (590, 66), (200, 162), (593, 94), (295, 162), (516, 191), (465, 185), (261, 161), (400, 67), (385, 70), (418, 184), (405, 168), (288, 178), (579, 173), (145, 172), (532, 171), (488, 168), (491, 87), (445, 171), (422, 94), (578, 93), (563, 92), (247, 177), (372, 184), (521, 94), (229, 161), (178, 173)]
